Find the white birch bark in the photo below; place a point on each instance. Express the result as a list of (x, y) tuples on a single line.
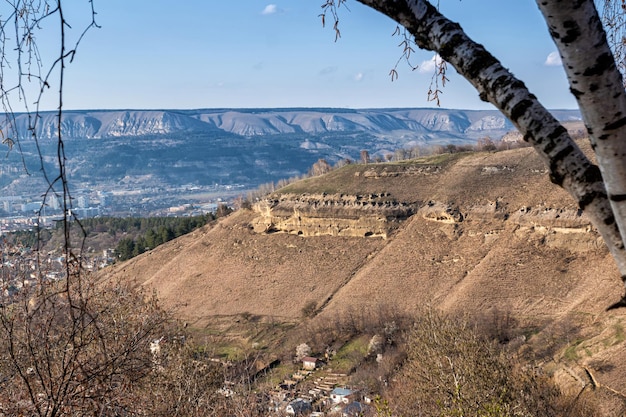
[(568, 166), (597, 84)]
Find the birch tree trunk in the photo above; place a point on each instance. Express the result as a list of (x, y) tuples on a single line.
[(597, 84), (567, 164)]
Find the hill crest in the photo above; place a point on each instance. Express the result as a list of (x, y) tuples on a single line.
[(418, 123)]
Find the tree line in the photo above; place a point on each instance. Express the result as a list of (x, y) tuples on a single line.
[(134, 235), (158, 230)]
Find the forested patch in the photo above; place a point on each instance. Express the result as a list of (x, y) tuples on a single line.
[(129, 236)]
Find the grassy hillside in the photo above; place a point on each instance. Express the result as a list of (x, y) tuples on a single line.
[(491, 239)]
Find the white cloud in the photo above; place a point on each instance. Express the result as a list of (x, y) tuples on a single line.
[(270, 9), (358, 76), (553, 60), (430, 65)]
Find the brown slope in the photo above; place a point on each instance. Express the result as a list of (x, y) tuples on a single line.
[(518, 245), (521, 247), (228, 269)]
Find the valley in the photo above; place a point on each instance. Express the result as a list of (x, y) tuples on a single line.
[(369, 248), (151, 162)]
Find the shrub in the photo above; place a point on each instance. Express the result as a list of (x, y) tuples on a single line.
[(451, 370), (73, 348), (309, 309)]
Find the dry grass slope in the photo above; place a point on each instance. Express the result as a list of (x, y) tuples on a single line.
[(490, 234)]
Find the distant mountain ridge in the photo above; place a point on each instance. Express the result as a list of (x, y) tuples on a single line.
[(115, 150), (411, 122)]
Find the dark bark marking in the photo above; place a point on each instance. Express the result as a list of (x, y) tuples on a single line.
[(549, 147), (609, 221), (447, 49), (556, 179), (555, 160), (604, 137), (592, 174), (501, 81), (572, 33), (554, 34), (481, 60), (616, 124), (551, 141), (604, 62), (506, 100), (617, 197), (520, 108), (576, 93), (588, 198), (558, 131), (593, 87)]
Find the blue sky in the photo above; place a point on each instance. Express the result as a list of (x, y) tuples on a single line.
[(153, 54)]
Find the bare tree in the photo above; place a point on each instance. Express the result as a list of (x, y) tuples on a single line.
[(72, 351), (102, 348), (184, 382), (365, 156), (614, 19), (31, 78), (302, 350), (595, 81), (321, 167)]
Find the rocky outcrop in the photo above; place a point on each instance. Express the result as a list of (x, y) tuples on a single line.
[(409, 171), (440, 212), (368, 215), (377, 215), (556, 227)]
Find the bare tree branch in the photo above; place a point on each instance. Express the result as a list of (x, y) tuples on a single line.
[(613, 14)]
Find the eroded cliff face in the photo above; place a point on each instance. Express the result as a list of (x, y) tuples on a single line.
[(379, 215), (557, 228), (371, 215)]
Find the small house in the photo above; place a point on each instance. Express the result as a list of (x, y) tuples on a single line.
[(342, 395), (298, 407), (309, 363)]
